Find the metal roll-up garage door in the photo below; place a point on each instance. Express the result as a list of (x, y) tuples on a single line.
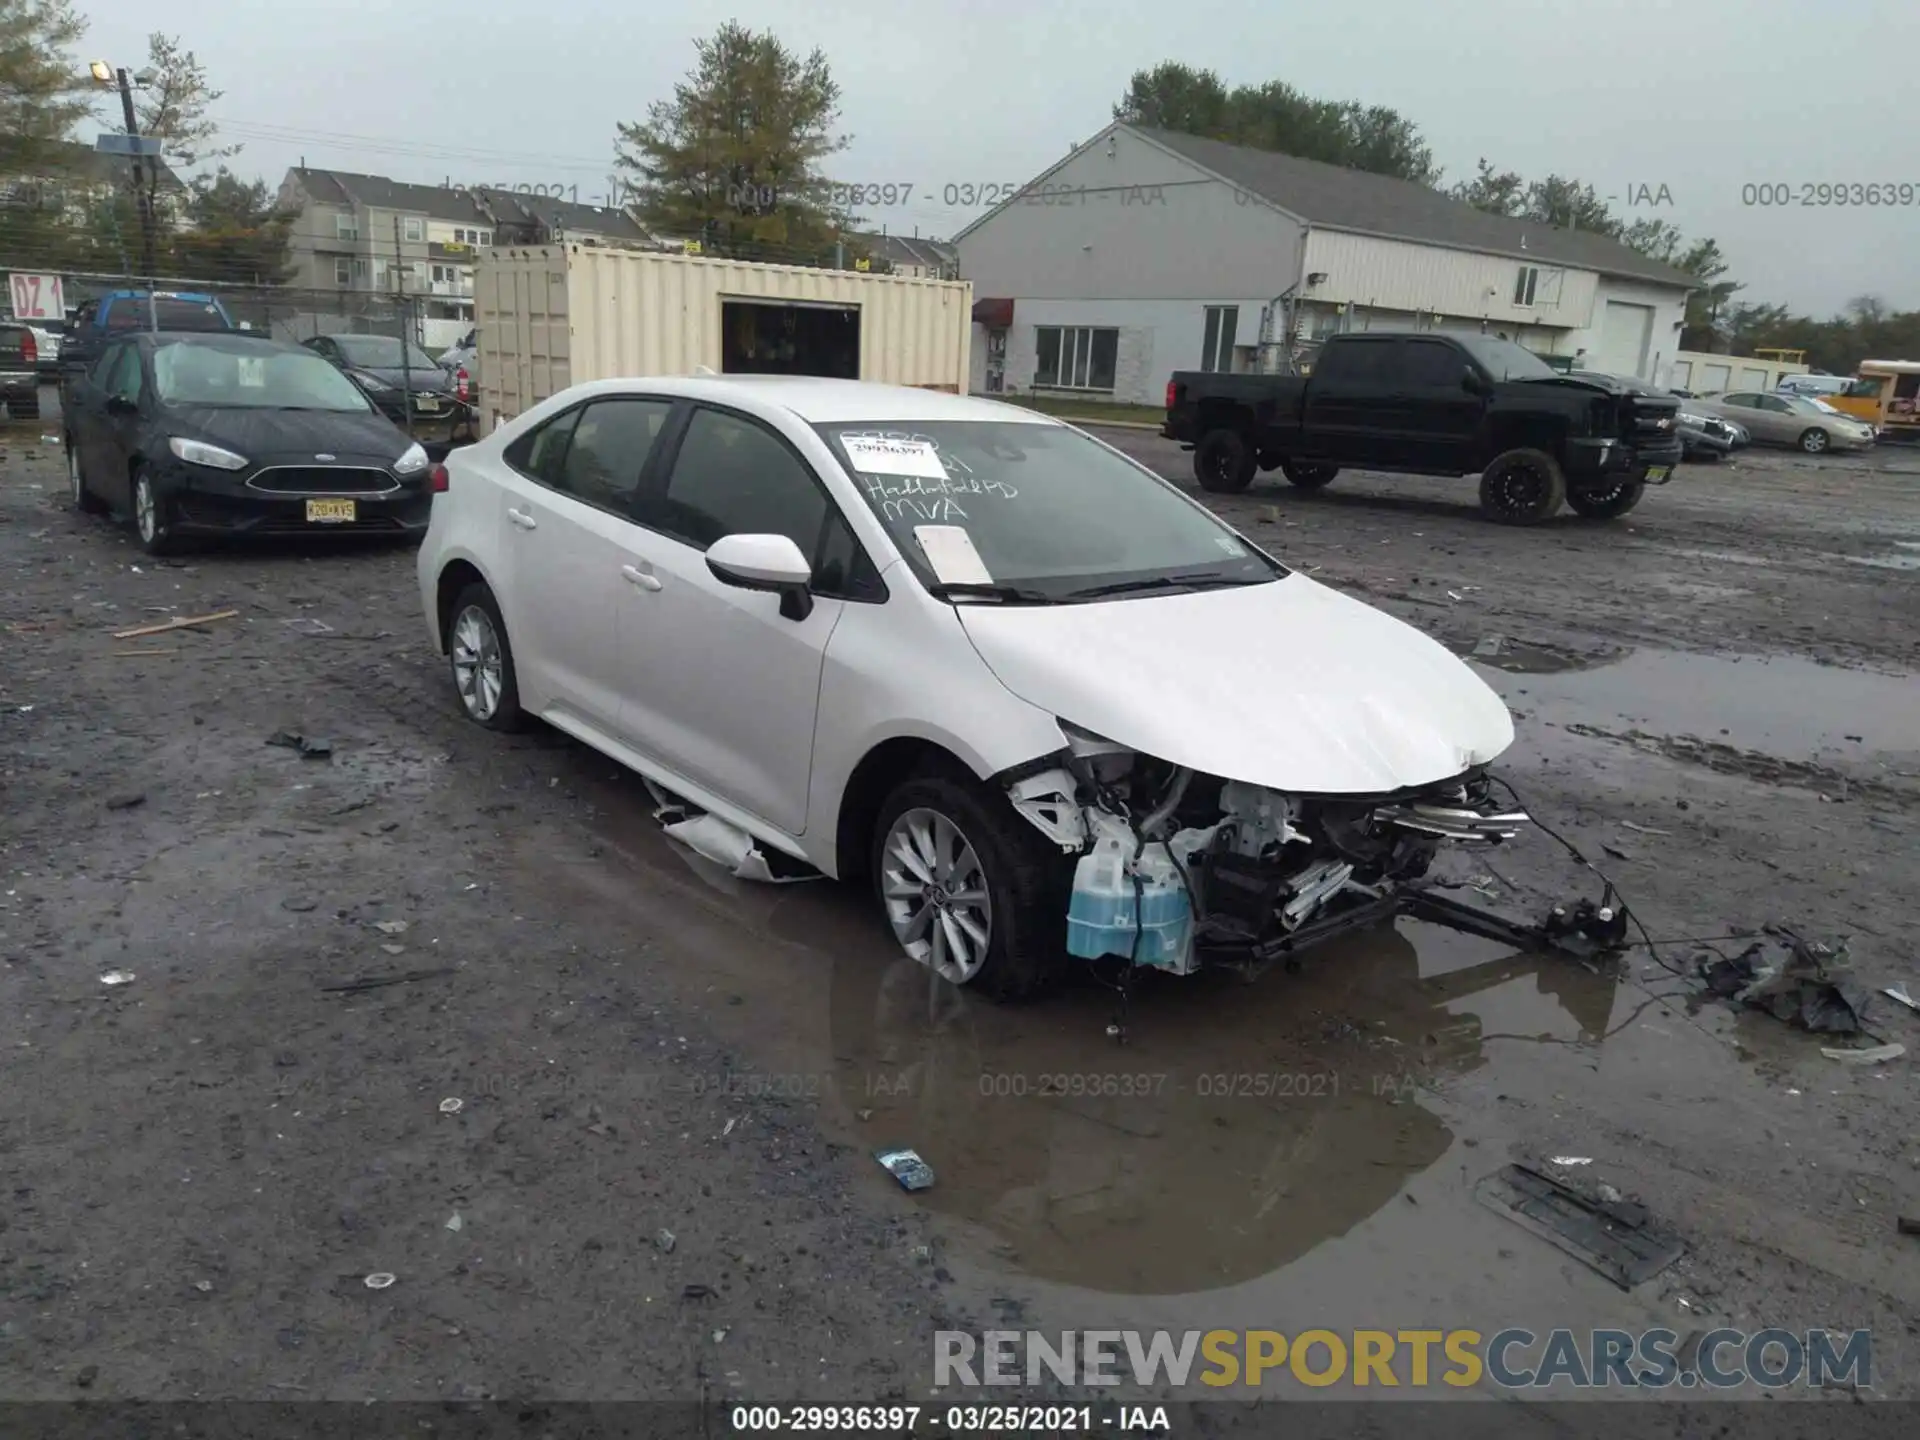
[(1626, 334)]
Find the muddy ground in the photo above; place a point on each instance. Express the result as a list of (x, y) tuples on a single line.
[(203, 1165)]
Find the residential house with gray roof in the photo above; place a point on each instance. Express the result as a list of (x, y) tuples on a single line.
[(1144, 252)]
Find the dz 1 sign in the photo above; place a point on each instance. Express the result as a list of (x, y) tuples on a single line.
[(37, 297)]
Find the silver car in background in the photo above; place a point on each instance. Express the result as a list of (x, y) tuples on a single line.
[(1793, 420)]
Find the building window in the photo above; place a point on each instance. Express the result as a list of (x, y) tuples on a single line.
[(359, 269), (346, 227), (343, 272), (439, 274), (1525, 283), (1076, 358), (414, 228), (1216, 347)]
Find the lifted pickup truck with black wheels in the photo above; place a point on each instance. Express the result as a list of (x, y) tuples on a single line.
[(1433, 404)]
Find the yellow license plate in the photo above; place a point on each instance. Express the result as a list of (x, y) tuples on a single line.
[(331, 512), (1659, 472)]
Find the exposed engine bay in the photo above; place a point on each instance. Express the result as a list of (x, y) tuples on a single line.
[(1176, 869)]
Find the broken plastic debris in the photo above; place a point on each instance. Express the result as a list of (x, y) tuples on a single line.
[(1899, 992), (1875, 1056), (665, 1241), (379, 1280), (205, 1287), (1573, 1159), (391, 927), (311, 747), (729, 846), (907, 1167), (451, 1105), (454, 1222), (117, 977), (729, 1126)]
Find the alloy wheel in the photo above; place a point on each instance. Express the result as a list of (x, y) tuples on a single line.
[(146, 511), (935, 891), (479, 671), (1520, 487), (1814, 441)]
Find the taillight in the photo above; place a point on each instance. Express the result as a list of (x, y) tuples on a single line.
[(462, 387), (437, 479), (29, 348), (1170, 394)]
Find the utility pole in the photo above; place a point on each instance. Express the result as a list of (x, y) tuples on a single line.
[(406, 337), (142, 194)]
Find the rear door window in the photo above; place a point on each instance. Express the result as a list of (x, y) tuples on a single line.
[(1431, 365), (1361, 364)]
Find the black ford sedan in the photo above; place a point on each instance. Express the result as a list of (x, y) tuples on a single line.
[(233, 435), (407, 384)]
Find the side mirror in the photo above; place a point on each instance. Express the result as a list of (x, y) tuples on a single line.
[(1471, 381), (772, 563), (121, 405)]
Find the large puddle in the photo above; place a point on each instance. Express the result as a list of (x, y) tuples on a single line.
[(1779, 705), (1239, 1125)]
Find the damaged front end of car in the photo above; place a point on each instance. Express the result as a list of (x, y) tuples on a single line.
[(1176, 869)]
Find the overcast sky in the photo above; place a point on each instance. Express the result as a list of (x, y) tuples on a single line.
[(1704, 97)]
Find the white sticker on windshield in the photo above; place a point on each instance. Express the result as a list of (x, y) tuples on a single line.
[(875, 456), (949, 550), (1231, 546), (253, 371)]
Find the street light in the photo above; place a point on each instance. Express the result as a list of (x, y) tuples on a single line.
[(106, 74)]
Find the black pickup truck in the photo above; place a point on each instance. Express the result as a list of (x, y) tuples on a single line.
[(1433, 404)]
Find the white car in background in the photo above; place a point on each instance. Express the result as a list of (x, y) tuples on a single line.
[(1035, 696)]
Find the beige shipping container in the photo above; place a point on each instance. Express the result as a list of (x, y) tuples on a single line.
[(559, 315)]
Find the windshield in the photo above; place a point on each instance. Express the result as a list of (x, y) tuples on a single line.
[(1504, 360), (1044, 509), (252, 378), (382, 352)]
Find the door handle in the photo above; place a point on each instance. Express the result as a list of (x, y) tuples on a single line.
[(523, 520), (640, 577)]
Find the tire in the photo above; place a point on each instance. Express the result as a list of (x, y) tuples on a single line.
[(84, 500), (1815, 441), (495, 706), (1306, 476), (1224, 462), (1610, 501), (1025, 880), (150, 521), (24, 409), (1522, 487)]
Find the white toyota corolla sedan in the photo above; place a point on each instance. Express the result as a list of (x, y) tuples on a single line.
[(1042, 702)]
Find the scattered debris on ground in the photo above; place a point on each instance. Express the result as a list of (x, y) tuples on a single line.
[(1616, 1238), (179, 622), (907, 1167), (1806, 983), (310, 746), (1874, 1055)]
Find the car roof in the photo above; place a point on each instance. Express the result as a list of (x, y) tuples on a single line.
[(820, 401)]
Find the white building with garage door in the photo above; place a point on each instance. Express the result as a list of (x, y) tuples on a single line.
[(1144, 252)]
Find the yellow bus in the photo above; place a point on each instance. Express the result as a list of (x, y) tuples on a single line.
[(1884, 395)]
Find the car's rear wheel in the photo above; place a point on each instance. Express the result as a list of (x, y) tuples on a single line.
[(152, 516), (480, 658), (1606, 502), (1308, 477), (1522, 487), (25, 408), (971, 890), (84, 500), (1814, 441), (1224, 462)]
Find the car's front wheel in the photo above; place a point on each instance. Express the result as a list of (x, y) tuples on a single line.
[(1522, 487), (152, 516), (971, 890), (84, 500), (1308, 477), (481, 661), (1814, 441), (1606, 502)]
